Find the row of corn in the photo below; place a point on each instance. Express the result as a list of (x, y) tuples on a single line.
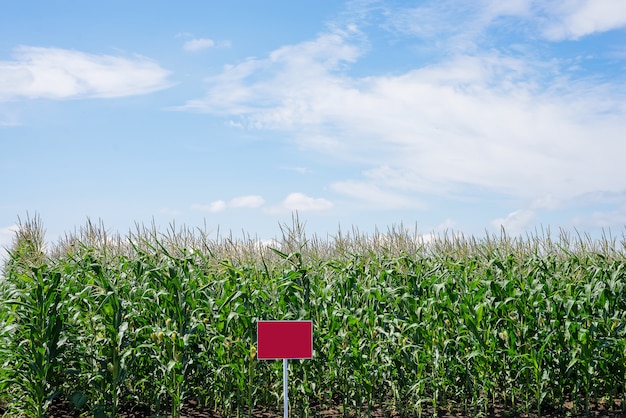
[(156, 319)]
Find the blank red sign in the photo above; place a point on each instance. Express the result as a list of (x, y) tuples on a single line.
[(284, 340)]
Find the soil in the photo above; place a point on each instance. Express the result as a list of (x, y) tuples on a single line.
[(62, 409)]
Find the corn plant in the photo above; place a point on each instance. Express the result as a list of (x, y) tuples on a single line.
[(175, 322), (38, 320), (461, 324), (110, 329)]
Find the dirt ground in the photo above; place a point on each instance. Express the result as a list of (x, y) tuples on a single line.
[(192, 410)]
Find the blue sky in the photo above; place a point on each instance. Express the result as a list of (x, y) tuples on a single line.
[(441, 115)]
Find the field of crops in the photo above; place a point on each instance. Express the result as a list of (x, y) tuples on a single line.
[(156, 318)]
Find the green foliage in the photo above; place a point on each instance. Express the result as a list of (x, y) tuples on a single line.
[(455, 323), (35, 321)]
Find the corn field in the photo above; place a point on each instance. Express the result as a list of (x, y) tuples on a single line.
[(413, 326)]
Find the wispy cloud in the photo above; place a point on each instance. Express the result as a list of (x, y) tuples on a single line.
[(198, 44), (303, 66), (301, 203), (516, 222), (547, 202), (450, 24), (573, 19), (249, 201), (299, 170), (607, 219), (374, 195), (195, 44), (55, 73), (293, 202), (514, 124), (213, 207)]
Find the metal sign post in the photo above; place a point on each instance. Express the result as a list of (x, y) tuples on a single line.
[(284, 340), (285, 388)]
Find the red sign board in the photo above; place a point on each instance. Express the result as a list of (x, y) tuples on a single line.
[(284, 340)]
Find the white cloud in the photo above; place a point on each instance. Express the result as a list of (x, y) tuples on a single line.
[(600, 197), (498, 8), (302, 203), (608, 219), (489, 120), (249, 201), (198, 44), (301, 66), (373, 195), (547, 202), (458, 26), (446, 225), (299, 170), (213, 207), (516, 222), (55, 73), (450, 25), (573, 19), (513, 124)]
